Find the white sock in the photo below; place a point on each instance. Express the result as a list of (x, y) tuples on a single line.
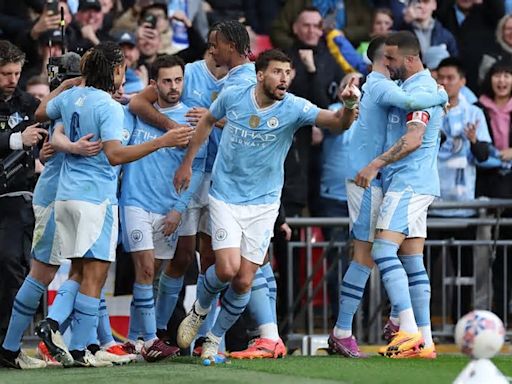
[(341, 333), (269, 331), (394, 320), (407, 321), (200, 310), (149, 343), (426, 332)]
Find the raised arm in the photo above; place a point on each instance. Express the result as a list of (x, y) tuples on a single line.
[(40, 114), (406, 144), (394, 96), (184, 173), (142, 106)]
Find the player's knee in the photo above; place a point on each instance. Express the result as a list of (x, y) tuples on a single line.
[(226, 273), (146, 274), (242, 283)]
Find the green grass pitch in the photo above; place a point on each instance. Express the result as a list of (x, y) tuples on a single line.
[(293, 370)]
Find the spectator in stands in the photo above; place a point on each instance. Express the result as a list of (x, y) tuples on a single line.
[(473, 23), (87, 26), (219, 10), (38, 87), (496, 101), (382, 23), (501, 50), (259, 15), (465, 141), (15, 17), (184, 14), (136, 78), (435, 40), (397, 9)]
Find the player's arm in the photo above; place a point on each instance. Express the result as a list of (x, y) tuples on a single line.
[(119, 154), (142, 106), (83, 147), (394, 96), (41, 114), (183, 175), (416, 124)]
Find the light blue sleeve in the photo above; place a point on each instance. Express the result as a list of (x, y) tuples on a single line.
[(389, 94), (111, 116), (218, 107), (53, 108), (482, 130), (307, 112), (183, 199)]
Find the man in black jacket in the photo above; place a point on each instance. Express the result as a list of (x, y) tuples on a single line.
[(18, 135)]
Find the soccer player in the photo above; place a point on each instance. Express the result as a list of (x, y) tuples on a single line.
[(367, 142), (410, 183), (247, 178), (85, 207), (151, 213)]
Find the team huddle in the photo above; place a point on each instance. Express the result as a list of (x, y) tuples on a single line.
[(198, 156)]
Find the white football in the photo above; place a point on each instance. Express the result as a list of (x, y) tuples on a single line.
[(480, 334)]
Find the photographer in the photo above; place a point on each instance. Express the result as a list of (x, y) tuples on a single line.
[(18, 135)]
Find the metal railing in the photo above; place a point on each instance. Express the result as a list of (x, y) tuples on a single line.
[(305, 318)]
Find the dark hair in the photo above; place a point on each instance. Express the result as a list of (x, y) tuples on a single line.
[(36, 80), (453, 62), (235, 33), (165, 61), (375, 46), (405, 41), (498, 67), (385, 11), (266, 57), (98, 63), (307, 8), (9, 53)]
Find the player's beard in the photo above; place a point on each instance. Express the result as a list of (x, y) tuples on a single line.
[(397, 73), (269, 92), (171, 97)]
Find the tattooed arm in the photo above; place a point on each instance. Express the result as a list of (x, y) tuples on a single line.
[(406, 144)]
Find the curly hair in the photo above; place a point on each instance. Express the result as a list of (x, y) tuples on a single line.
[(9, 53), (234, 32), (98, 63)]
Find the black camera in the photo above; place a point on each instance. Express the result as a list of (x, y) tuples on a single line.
[(151, 19), (62, 68), (17, 161)]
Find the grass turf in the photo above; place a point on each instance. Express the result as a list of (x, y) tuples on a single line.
[(293, 370)]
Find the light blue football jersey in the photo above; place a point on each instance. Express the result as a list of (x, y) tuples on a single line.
[(418, 170), (87, 110), (249, 165), (241, 75), (335, 157), (148, 182), (201, 88), (369, 130), (46, 187)]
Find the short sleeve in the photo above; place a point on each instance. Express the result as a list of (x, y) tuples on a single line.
[(218, 107), (111, 121), (53, 108), (307, 112)]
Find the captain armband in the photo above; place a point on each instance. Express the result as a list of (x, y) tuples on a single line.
[(420, 117)]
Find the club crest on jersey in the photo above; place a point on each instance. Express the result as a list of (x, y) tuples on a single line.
[(254, 121), (273, 122), (126, 135), (214, 95), (221, 234), (137, 235)]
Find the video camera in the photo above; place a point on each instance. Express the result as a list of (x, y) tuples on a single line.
[(11, 165), (62, 68)]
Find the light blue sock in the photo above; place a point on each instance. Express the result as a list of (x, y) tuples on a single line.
[(233, 305), (259, 304), (63, 327), (168, 292), (145, 308), (419, 287), (272, 288), (24, 307), (85, 322), (394, 312), (104, 329), (392, 273), (134, 329), (210, 287), (64, 301), (352, 290), (212, 315)]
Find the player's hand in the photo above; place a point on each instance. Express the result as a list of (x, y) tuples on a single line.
[(506, 154), (85, 147), (194, 114), (32, 134), (287, 231), (317, 136), (177, 137), (366, 175), (350, 94), (470, 131), (182, 178), (221, 123), (171, 222), (69, 83), (307, 58), (46, 152)]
